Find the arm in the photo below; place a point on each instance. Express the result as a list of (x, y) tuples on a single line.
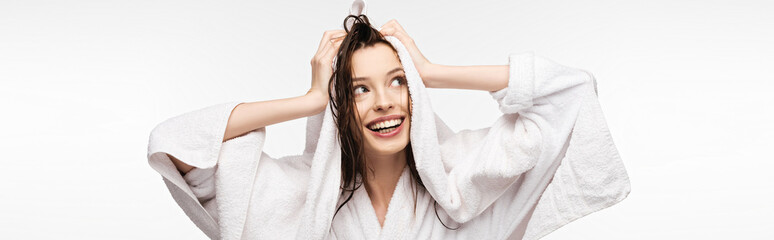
[(488, 78), (512, 161), (246, 117), (249, 116)]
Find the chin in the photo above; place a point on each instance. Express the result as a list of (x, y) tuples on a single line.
[(387, 150), (374, 145)]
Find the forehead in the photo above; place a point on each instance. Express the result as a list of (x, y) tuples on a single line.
[(374, 61)]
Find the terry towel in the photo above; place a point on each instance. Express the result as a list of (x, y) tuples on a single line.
[(548, 160)]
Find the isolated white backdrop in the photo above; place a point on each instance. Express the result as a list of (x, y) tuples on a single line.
[(686, 87)]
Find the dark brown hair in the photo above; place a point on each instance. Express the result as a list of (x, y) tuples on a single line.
[(353, 162)]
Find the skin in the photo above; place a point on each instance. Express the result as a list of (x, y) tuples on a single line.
[(380, 91), (385, 156)]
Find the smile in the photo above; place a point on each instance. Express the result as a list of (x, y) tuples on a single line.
[(386, 126)]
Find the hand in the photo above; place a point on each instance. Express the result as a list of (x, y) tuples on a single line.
[(424, 67), (322, 63)]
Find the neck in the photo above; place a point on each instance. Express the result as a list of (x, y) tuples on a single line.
[(381, 183)]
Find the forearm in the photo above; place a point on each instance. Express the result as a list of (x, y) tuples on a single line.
[(180, 165), (488, 78), (247, 117)]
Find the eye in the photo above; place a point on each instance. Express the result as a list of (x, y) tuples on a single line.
[(360, 90), (397, 81)]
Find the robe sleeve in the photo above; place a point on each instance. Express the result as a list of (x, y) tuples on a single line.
[(202, 183), (513, 159), (236, 190), (194, 138)]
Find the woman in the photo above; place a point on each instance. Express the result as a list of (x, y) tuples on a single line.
[(393, 180)]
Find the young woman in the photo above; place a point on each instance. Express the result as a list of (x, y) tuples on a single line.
[(396, 181)]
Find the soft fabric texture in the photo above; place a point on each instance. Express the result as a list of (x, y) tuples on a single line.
[(548, 160)]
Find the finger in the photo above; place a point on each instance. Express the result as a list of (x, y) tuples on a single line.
[(322, 42), (332, 49), (331, 52), (393, 24), (401, 35), (330, 42), (333, 41), (327, 36), (396, 27), (323, 51), (387, 31), (338, 38), (386, 25)]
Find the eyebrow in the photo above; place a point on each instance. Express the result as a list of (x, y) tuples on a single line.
[(388, 73)]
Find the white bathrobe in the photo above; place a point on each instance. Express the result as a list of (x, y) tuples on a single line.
[(548, 160)]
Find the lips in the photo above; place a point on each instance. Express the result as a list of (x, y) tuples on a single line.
[(378, 120)]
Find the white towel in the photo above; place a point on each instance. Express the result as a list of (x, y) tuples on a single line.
[(259, 196)]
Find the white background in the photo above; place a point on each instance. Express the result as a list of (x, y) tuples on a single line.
[(686, 87)]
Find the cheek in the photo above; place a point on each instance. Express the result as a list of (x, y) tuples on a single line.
[(361, 110)]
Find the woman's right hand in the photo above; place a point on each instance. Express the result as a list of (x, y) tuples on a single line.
[(322, 63)]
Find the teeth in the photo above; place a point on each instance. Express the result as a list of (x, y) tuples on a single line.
[(384, 124)]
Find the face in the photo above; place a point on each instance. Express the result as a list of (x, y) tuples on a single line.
[(382, 99)]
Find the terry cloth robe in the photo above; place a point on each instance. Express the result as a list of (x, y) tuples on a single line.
[(548, 160)]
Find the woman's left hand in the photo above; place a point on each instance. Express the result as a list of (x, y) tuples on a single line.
[(424, 67)]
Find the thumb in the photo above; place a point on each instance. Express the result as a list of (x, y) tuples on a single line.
[(388, 31)]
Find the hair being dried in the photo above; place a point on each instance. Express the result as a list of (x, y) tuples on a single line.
[(353, 161)]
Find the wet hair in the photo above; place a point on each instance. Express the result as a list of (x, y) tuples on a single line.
[(353, 161)]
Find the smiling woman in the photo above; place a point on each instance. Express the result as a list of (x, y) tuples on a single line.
[(379, 163), (372, 109)]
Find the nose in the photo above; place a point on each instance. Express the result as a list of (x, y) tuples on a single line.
[(383, 101)]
